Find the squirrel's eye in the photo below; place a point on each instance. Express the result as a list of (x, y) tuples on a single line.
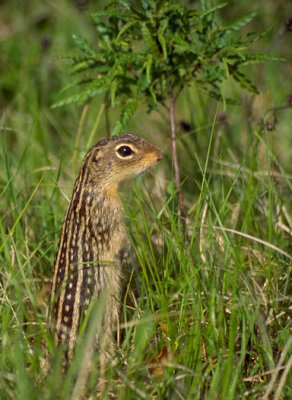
[(125, 151)]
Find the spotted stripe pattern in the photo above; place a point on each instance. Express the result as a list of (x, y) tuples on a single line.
[(93, 241), (84, 260)]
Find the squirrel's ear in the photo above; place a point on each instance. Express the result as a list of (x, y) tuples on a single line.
[(97, 154)]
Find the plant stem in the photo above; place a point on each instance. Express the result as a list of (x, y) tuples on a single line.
[(172, 101)]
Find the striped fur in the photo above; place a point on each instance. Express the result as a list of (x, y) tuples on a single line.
[(93, 239)]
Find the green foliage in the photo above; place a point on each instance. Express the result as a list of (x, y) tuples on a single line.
[(148, 50)]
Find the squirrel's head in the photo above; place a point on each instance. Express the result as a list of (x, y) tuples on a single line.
[(115, 159)]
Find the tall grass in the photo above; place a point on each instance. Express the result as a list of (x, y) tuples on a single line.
[(205, 318)]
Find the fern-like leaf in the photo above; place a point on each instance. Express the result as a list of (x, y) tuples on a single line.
[(114, 87), (84, 45), (163, 45), (148, 66), (125, 28), (242, 79), (259, 58), (149, 41), (125, 116), (239, 23)]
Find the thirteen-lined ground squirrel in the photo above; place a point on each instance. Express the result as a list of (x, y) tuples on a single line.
[(93, 238)]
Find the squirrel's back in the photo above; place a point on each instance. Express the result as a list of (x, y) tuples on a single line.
[(93, 241)]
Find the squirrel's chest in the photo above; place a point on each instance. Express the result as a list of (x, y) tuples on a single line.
[(108, 236), (110, 243), (90, 254)]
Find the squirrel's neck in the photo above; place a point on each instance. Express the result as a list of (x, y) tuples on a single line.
[(95, 204)]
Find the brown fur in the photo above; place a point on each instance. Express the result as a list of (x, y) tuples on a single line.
[(93, 239)]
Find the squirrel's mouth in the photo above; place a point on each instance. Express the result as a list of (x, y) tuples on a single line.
[(155, 157), (159, 156)]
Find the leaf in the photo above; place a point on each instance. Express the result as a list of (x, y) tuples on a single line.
[(204, 5), (129, 111), (184, 45), (66, 101), (213, 9), (84, 45), (125, 28), (96, 87), (131, 10), (117, 129), (148, 39), (114, 87), (239, 23), (162, 42), (70, 85), (125, 117), (82, 66), (242, 79), (153, 95), (259, 58), (216, 95), (252, 37), (148, 66)]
